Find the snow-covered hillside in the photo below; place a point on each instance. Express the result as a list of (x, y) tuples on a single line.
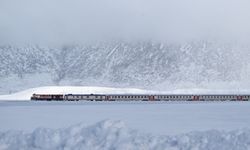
[(150, 65)]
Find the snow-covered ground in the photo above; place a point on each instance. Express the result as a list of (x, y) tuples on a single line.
[(26, 94), (124, 125)]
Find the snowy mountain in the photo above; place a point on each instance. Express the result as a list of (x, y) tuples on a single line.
[(148, 64)]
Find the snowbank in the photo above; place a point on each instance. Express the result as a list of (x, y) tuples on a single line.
[(25, 95), (109, 134)]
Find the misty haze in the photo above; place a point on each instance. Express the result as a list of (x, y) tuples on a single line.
[(125, 74), (134, 43)]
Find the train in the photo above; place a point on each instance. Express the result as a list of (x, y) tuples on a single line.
[(140, 97)]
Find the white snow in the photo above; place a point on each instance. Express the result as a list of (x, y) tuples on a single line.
[(111, 135), (140, 125), (26, 94), (153, 117)]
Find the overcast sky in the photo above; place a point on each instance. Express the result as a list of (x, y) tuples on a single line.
[(79, 20)]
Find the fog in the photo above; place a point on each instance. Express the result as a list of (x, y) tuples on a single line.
[(67, 21)]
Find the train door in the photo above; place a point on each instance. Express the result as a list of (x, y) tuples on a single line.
[(196, 98), (239, 98), (107, 98), (151, 98)]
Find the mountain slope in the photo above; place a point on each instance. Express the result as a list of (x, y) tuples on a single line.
[(133, 64)]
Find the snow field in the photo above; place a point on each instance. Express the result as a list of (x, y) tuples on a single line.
[(31, 125), (115, 135)]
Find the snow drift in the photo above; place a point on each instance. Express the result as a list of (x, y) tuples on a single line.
[(116, 135), (26, 94)]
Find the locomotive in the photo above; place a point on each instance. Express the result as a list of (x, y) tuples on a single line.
[(139, 97)]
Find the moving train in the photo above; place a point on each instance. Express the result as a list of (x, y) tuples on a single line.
[(139, 97)]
